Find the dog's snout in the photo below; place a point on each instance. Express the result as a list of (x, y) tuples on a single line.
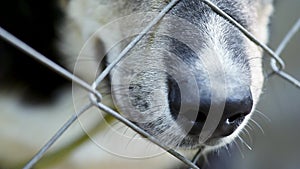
[(237, 105)]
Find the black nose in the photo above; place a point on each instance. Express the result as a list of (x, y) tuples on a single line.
[(236, 108), (238, 104)]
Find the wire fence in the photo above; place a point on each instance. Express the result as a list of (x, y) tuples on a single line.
[(277, 65)]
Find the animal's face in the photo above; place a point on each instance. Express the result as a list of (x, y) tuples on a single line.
[(195, 79)]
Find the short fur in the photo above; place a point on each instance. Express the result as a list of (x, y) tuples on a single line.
[(217, 39)]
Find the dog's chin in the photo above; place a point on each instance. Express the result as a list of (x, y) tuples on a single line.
[(191, 142), (182, 140)]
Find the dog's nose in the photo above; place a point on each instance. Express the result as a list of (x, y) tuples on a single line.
[(238, 104), (235, 111)]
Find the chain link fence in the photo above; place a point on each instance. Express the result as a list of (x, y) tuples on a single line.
[(277, 65)]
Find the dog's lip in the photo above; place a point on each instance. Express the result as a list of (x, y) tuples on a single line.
[(193, 129)]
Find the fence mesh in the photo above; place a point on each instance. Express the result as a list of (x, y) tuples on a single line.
[(276, 62)]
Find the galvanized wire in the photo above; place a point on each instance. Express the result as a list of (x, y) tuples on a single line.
[(96, 99), (145, 134), (55, 137), (134, 42), (44, 60), (276, 62), (276, 59), (280, 48), (249, 35)]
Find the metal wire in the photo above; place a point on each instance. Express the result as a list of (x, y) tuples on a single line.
[(276, 60), (246, 33), (55, 137), (277, 65), (135, 41), (44, 60), (21, 45), (280, 48), (197, 156), (145, 134), (288, 37)]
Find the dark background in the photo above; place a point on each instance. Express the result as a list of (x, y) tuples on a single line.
[(34, 22)]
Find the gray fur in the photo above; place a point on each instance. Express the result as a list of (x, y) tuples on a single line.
[(215, 49)]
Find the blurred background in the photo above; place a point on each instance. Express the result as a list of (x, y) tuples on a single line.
[(277, 147)]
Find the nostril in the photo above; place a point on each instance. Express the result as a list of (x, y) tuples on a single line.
[(235, 118), (174, 97), (201, 117), (238, 106)]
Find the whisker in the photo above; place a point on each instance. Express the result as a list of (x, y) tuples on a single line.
[(124, 133), (259, 126), (121, 127), (239, 148), (249, 126), (114, 124), (112, 128), (244, 142), (151, 109), (106, 133), (123, 69), (248, 134), (130, 141), (206, 161), (263, 115), (227, 149), (257, 58), (218, 153)]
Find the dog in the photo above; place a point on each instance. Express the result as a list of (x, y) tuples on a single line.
[(213, 43), (192, 82)]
